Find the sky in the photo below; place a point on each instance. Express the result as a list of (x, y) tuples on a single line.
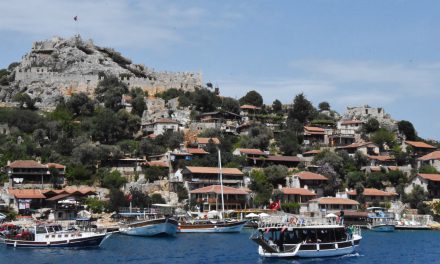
[(348, 53)]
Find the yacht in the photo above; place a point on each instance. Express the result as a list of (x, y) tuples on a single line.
[(292, 236)]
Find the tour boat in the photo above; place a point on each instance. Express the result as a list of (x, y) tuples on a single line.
[(148, 222), (51, 235), (379, 220), (291, 236)]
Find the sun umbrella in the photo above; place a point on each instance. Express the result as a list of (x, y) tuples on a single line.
[(251, 215), (263, 215), (331, 215)]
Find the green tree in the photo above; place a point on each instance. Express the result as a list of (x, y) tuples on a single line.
[(25, 101), (109, 91), (139, 198), (374, 180), (138, 101), (156, 198), (261, 187), (277, 107), (78, 173), (324, 106), (80, 104), (372, 125), (107, 127), (231, 105), (428, 169), (354, 178), (407, 128), (95, 205), (117, 200), (155, 173), (252, 98), (113, 180), (416, 199), (276, 174), (383, 137), (302, 110), (288, 143)]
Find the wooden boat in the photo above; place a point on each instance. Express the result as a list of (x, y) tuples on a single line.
[(300, 238), (49, 235), (210, 226), (148, 222)]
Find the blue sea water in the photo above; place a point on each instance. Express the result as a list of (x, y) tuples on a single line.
[(398, 247)]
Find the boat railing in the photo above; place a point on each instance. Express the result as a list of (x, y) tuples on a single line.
[(294, 221)]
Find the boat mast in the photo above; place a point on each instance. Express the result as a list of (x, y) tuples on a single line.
[(221, 182)]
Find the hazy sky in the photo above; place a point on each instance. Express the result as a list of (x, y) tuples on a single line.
[(349, 53)]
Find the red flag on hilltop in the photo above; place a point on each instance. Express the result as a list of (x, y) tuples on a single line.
[(275, 205), (129, 197)]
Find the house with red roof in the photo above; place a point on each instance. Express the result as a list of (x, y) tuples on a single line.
[(315, 136), (332, 204), (202, 142), (209, 198), (418, 148), (429, 182), (297, 195), (33, 174), (366, 148), (198, 177), (308, 180), (248, 112), (432, 159), (160, 126), (129, 168), (374, 196)]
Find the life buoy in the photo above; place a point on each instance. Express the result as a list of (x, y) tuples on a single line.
[(292, 220)]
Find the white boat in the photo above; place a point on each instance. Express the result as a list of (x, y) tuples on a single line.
[(49, 235), (380, 220), (147, 222), (296, 237), (210, 226)]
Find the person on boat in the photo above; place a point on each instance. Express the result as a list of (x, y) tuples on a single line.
[(341, 217)]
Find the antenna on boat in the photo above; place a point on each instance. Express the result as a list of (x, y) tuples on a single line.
[(221, 182)]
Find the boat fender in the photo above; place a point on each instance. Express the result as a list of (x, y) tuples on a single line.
[(15, 244)]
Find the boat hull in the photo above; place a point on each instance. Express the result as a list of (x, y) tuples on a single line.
[(341, 249), (94, 241), (382, 228), (151, 228), (212, 228)]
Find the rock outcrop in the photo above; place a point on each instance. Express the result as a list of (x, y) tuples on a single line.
[(59, 67)]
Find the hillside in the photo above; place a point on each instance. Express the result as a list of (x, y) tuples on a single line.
[(61, 67)]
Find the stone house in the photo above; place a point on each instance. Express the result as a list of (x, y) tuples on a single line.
[(209, 198), (419, 148), (366, 148), (429, 182), (160, 126), (432, 159), (308, 180), (372, 195), (332, 204)]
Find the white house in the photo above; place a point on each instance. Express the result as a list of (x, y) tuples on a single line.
[(160, 126)]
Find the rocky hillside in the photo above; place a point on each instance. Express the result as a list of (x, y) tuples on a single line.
[(60, 67)]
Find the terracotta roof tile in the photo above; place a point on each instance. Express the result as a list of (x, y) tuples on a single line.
[(307, 175), (27, 193), (312, 152), (284, 158), (249, 107), (373, 192), (297, 191), (203, 140), (335, 200), (419, 144), (196, 151), (214, 170), (26, 164), (56, 165), (435, 155), (358, 145), (431, 177), (252, 152), (217, 189)]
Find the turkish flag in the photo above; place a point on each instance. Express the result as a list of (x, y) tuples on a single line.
[(275, 205), (129, 197)]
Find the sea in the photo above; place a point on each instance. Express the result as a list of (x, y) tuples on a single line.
[(397, 247)]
